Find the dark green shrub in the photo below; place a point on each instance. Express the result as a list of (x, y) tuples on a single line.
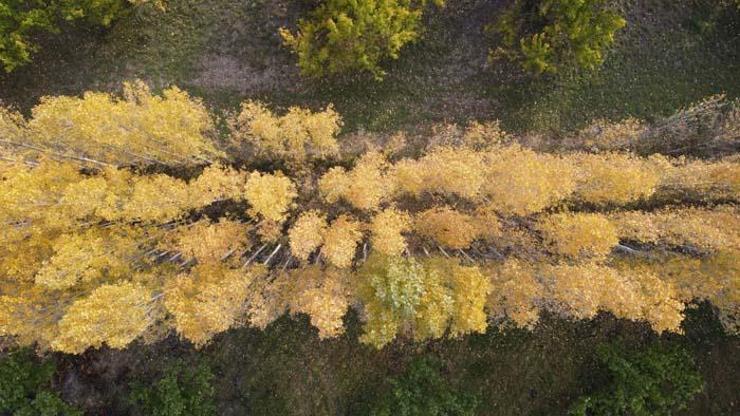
[(654, 382), (423, 391), (552, 35), (24, 388), (354, 35), (20, 19), (181, 391)]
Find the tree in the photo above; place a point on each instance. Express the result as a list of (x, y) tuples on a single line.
[(354, 35), (423, 390), (113, 314), (340, 241), (447, 227), (402, 294), (297, 136), (207, 300), (579, 235), (307, 234), (386, 231), (366, 186), (614, 178), (182, 390), (21, 19), (520, 181), (140, 128), (270, 195), (549, 36), (25, 387), (657, 381), (444, 170)]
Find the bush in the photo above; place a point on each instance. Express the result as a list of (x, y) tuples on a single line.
[(20, 19), (654, 382), (182, 390), (24, 388), (354, 35), (547, 36), (423, 391)]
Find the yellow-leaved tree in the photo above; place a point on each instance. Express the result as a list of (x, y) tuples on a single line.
[(307, 234), (207, 300), (137, 128), (365, 187), (297, 136)]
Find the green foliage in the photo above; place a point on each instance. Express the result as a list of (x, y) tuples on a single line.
[(21, 19), (354, 35), (423, 391), (654, 382), (24, 387), (181, 391), (547, 36), (18, 19)]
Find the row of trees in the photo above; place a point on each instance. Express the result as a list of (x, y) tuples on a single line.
[(128, 220), (542, 36)]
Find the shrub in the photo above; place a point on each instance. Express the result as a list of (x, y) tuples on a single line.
[(24, 387), (354, 35), (182, 390), (654, 382), (546, 36), (19, 19), (423, 390)]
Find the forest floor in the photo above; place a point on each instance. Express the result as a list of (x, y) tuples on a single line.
[(671, 54)]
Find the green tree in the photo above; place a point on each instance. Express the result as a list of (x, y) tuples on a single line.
[(24, 387), (423, 391), (654, 382), (181, 391), (21, 19), (547, 36), (354, 35)]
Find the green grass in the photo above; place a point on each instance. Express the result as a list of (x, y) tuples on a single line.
[(670, 55)]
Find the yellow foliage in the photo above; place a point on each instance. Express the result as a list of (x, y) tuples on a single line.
[(713, 278), (430, 297), (515, 293), (323, 295), (579, 235), (112, 314), (29, 314), (469, 290), (297, 136), (386, 231), (90, 256), (270, 195), (521, 182), (585, 289), (207, 300), (216, 183), (26, 191), (366, 186), (209, 242), (614, 178), (307, 234), (340, 241), (157, 198), (707, 229), (446, 226), (711, 180), (446, 170), (140, 127)]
